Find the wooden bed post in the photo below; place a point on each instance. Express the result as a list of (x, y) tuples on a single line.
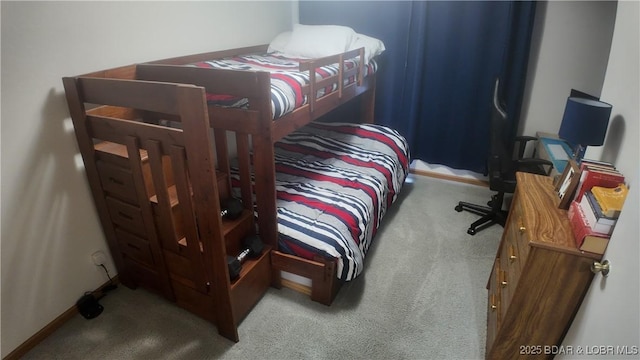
[(264, 164), (207, 204), (368, 102), (265, 189), (264, 168)]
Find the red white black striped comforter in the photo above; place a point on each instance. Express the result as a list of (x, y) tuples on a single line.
[(286, 80), (334, 184)]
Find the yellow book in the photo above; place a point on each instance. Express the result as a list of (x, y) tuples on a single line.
[(610, 199)]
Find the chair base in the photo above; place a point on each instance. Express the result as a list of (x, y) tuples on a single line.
[(489, 215)]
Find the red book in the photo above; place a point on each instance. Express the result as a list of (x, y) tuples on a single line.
[(591, 176), (586, 238)]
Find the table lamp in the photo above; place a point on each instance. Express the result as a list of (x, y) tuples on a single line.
[(584, 123)]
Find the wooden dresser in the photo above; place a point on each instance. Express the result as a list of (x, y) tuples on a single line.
[(539, 277)]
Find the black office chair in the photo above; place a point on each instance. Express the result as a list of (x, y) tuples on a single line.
[(502, 167)]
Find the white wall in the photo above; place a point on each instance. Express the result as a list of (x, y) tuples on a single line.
[(570, 49), (609, 315), (621, 89), (49, 225)]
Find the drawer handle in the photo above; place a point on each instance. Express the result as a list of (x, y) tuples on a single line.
[(521, 227), (512, 254), (503, 278), (493, 302)]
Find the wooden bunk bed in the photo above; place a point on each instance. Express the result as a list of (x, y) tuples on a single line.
[(257, 123), (171, 249)]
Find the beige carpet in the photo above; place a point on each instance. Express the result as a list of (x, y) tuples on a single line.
[(422, 296)]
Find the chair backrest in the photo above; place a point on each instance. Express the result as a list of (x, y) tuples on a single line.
[(501, 148)]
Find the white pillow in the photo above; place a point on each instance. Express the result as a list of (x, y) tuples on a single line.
[(372, 46), (312, 41), (279, 42)]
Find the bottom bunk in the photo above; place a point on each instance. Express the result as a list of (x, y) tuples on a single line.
[(334, 184)]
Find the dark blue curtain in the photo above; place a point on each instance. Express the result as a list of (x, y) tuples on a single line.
[(436, 76)]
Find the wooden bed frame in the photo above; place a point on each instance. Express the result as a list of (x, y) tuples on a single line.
[(161, 253), (264, 131)]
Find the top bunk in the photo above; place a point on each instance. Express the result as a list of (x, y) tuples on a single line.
[(277, 87)]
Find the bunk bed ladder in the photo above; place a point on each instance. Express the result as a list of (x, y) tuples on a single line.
[(152, 160)]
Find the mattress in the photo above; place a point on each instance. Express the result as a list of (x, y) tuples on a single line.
[(287, 81), (334, 184)]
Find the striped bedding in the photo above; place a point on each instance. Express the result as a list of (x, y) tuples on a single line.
[(286, 81), (334, 184)]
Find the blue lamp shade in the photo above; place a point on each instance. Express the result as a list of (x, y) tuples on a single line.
[(585, 122)]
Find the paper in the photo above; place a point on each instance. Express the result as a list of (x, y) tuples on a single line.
[(557, 152)]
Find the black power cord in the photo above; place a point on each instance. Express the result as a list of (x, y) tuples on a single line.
[(112, 285)]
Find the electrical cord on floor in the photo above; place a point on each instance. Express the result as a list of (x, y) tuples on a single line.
[(112, 285)]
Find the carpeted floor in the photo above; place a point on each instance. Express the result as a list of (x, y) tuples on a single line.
[(422, 296)]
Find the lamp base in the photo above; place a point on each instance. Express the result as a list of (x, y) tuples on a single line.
[(578, 153)]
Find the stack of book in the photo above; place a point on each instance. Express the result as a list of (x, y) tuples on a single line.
[(597, 204), (597, 173)]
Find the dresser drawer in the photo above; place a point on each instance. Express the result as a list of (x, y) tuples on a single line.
[(134, 247), (509, 272), (117, 181), (126, 216), (494, 315), (518, 247), (518, 232), (540, 280)]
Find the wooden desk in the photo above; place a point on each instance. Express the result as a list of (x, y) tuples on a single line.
[(539, 277)]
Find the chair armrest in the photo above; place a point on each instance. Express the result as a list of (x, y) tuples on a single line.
[(527, 163), (532, 161), (522, 143), (525, 138)]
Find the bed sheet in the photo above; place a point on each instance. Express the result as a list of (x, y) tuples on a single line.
[(286, 80), (334, 184)]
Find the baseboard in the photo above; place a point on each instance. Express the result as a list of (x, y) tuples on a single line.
[(448, 177), (50, 328)]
